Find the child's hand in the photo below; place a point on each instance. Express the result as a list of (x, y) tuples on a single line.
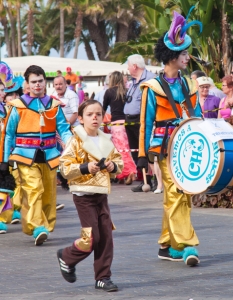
[(93, 168), (109, 166)]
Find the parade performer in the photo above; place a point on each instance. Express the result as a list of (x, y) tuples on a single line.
[(88, 162), (167, 100), (30, 129), (11, 88)]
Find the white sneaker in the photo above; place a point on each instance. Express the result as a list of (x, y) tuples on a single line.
[(158, 191)]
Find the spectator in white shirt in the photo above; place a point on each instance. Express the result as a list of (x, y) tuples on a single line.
[(67, 97)]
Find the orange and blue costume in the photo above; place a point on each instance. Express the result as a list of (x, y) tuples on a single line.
[(30, 129), (177, 231)]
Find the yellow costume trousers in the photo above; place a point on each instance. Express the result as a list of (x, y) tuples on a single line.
[(16, 201), (177, 230), (38, 184), (18, 196)]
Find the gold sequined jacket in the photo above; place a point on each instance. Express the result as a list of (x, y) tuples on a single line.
[(81, 150)]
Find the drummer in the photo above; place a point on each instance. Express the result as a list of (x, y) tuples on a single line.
[(167, 100)]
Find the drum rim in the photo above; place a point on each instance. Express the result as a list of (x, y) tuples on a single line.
[(221, 161)]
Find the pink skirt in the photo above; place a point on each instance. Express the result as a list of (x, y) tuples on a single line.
[(120, 141), (80, 96)]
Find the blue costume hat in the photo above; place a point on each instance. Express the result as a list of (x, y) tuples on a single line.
[(17, 83), (176, 38)]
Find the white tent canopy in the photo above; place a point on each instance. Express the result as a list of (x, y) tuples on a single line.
[(52, 64)]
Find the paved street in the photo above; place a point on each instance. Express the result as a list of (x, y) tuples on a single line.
[(30, 272)]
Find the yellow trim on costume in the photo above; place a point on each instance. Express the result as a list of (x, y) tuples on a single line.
[(156, 87), (19, 103), (16, 103), (85, 242)]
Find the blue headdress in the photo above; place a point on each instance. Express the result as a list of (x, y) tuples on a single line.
[(176, 38)]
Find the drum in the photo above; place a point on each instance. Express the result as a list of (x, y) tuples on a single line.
[(196, 164)]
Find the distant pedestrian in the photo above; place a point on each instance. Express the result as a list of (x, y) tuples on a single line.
[(73, 77), (86, 96), (81, 85), (88, 162)]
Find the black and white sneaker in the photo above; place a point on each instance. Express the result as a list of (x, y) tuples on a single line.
[(67, 272), (59, 206), (106, 284), (170, 254)]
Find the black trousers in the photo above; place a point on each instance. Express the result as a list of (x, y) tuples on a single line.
[(94, 213), (133, 134)]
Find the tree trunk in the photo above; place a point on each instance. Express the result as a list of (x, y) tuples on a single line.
[(19, 29), (62, 30), (121, 32), (13, 32), (90, 54), (6, 35), (99, 37), (30, 33), (226, 37), (78, 31)]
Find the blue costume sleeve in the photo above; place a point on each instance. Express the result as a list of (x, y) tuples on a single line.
[(8, 138), (147, 118), (197, 109), (63, 127)]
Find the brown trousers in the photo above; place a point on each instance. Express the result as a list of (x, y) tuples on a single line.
[(94, 213)]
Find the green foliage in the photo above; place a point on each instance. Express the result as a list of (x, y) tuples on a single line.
[(206, 47)]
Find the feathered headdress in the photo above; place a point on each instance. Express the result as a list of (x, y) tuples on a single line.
[(12, 83), (176, 38)]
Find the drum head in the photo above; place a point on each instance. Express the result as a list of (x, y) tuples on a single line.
[(194, 162)]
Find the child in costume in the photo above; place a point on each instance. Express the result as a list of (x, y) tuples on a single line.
[(167, 100), (30, 130), (11, 90), (7, 182), (89, 180)]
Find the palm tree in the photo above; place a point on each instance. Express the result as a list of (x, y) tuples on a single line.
[(30, 26), (80, 6), (4, 22), (11, 12)]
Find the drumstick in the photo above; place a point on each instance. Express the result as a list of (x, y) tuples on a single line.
[(146, 187)]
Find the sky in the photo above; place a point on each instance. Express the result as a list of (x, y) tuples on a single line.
[(54, 53)]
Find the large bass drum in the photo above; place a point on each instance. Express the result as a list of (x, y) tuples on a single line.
[(196, 164)]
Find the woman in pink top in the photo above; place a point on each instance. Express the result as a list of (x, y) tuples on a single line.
[(227, 102)]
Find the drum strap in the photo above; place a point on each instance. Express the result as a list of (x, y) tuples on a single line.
[(167, 91), (187, 98), (164, 142)]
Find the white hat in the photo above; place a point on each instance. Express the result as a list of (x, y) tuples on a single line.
[(204, 80)]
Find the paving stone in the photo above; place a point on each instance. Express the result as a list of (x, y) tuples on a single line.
[(30, 272)]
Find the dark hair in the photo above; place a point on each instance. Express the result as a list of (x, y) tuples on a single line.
[(86, 94), (198, 73), (68, 81), (34, 70), (19, 92), (86, 104), (228, 80), (163, 53)]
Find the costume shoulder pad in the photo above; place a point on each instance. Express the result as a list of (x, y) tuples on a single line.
[(16, 103), (154, 85)]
